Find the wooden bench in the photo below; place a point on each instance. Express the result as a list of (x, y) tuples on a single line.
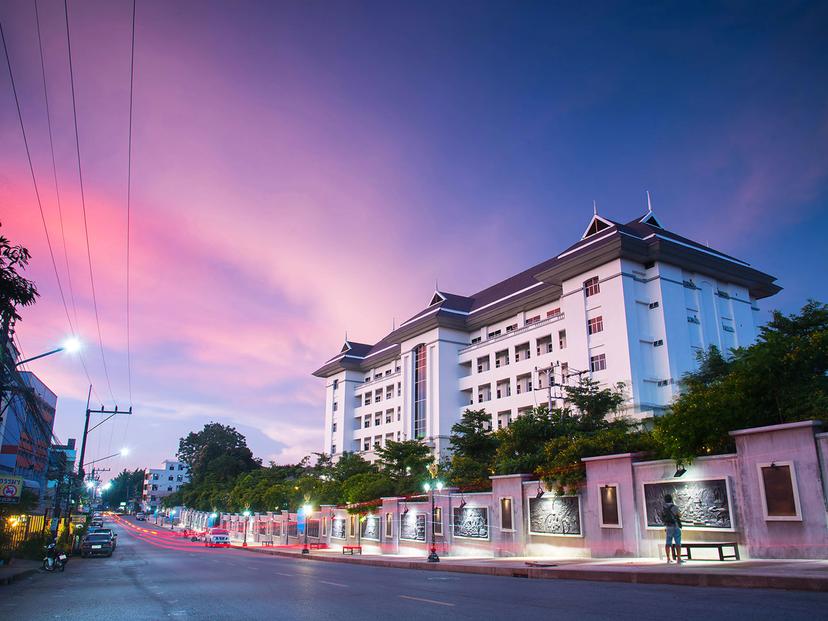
[(351, 549), (719, 545)]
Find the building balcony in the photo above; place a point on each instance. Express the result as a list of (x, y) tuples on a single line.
[(508, 335)]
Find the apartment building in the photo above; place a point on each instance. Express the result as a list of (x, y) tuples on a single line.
[(631, 303), (161, 482)]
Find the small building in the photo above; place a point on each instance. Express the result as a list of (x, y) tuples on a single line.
[(161, 482)]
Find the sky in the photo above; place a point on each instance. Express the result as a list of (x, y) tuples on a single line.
[(305, 169)]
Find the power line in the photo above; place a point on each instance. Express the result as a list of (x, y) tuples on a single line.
[(129, 201), (83, 201), (54, 168)]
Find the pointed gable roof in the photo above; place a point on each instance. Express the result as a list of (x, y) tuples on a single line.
[(596, 225)]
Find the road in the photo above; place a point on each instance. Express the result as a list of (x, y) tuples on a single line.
[(154, 576)]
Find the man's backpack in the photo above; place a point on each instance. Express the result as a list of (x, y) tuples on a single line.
[(668, 518)]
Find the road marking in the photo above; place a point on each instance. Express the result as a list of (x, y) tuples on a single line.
[(428, 601), (339, 584), (279, 573)]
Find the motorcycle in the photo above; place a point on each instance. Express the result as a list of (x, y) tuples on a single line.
[(54, 560)]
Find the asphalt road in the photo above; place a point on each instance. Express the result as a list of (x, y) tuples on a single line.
[(154, 576)]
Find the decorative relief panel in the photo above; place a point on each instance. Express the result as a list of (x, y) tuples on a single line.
[(471, 522), (338, 528), (413, 526), (371, 527), (555, 515), (703, 504)]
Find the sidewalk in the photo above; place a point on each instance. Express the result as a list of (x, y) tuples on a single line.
[(18, 569), (799, 575)]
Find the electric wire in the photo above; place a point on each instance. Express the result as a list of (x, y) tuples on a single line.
[(83, 201), (37, 191)]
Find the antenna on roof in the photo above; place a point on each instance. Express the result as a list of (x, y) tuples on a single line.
[(594, 208), (346, 335), (393, 323), (436, 285), (649, 203)]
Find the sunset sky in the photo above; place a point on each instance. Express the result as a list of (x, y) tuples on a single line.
[(305, 168)]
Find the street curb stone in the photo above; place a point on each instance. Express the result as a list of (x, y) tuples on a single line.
[(684, 577)]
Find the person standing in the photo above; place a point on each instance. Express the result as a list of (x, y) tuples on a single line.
[(671, 518)]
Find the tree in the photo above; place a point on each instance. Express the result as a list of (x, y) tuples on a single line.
[(405, 463), (520, 445), (781, 378), (217, 449), (124, 487), (367, 486), (474, 447), (15, 290)]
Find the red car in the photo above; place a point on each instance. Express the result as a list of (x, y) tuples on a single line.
[(217, 538)]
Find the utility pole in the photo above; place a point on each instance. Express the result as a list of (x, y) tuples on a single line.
[(86, 428)]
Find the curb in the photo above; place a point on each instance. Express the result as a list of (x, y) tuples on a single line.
[(20, 574), (683, 578)]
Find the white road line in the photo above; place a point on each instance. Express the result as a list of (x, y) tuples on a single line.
[(279, 573), (339, 584), (428, 601)]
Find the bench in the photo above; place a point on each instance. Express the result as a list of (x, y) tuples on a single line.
[(267, 543), (719, 545), (317, 545), (351, 549)]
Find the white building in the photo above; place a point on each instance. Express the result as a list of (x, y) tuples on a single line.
[(161, 482), (631, 303)]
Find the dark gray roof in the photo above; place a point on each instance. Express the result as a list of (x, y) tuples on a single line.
[(640, 239)]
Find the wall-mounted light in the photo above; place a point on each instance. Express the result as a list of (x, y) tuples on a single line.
[(679, 471), (540, 491)]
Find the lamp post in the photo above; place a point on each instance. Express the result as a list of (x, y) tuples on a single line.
[(245, 514), (70, 345), (172, 519), (435, 485), (306, 510)]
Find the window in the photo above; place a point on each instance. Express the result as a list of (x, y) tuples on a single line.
[(367, 378), (591, 286), (653, 305), (155, 477), (335, 406), (378, 396), (399, 413), (389, 525), (367, 398), (420, 391), (610, 512), (377, 419), (389, 415), (388, 372), (476, 339), (532, 320), (180, 467), (438, 521), (333, 449), (780, 496), (367, 421), (378, 442), (506, 514), (596, 324), (172, 467), (366, 444), (170, 478), (169, 488), (389, 392), (324, 526), (511, 328), (352, 526), (553, 312), (658, 343), (492, 335), (180, 477), (598, 363), (561, 339), (399, 389), (333, 427)]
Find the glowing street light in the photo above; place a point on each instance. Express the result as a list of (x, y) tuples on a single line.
[(307, 509), (70, 345), (246, 514), (124, 451)]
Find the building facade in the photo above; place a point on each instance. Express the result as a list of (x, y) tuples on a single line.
[(26, 433), (631, 303), (161, 482)]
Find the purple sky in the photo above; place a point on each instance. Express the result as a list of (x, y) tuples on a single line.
[(306, 168)]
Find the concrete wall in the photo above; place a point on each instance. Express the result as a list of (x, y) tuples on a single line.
[(722, 499)]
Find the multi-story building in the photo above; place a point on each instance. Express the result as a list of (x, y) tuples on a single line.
[(26, 432), (61, 471), (632, 303), (161, 482)]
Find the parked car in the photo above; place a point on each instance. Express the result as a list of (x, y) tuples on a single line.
[(113, 536), (97, 544), (217, 538), (140, 517)]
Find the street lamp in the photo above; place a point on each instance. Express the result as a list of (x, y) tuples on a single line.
[(306, 510), (435, 485), (172, 519), (70, 345), (246, 515)]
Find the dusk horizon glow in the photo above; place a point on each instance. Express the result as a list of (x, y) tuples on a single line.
[(302, 171)]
